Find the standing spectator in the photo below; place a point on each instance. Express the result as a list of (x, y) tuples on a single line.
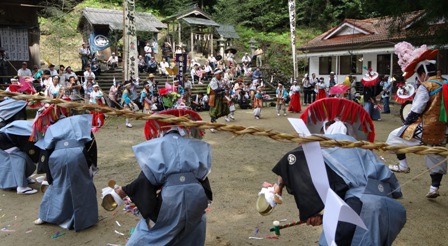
[(53, 72), (24, 71), (3, 66), (112, 62), (167, 51), (155, 48), (84, 52), (142, 66), (259, 56), (148, 52), (307, 89), (61, 70), (282, 95), (387, 87), (313, 81), (332, 81), (89, 73), (115, 96), (163, 66)]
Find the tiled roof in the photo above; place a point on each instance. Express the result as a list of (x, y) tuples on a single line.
[(227, 31), (191, 11), (200, 21), (114, 19), (377, 29)]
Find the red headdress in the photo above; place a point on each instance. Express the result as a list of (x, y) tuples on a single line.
[(409, 57), (153, 127), (352, 114)]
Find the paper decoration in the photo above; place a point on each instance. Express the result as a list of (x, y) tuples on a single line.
[(335, 208)]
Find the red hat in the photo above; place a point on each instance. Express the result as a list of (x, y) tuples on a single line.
[(153, 127), (427, 55)]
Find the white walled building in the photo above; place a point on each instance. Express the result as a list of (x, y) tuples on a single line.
[(356, 45)]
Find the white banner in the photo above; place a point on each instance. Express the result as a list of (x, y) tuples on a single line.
[(292, 24), (130, 54), (15, 42)]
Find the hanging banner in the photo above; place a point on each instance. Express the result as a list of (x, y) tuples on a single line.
[(98, 41), (130, 54), (181, 63), (292, 24)]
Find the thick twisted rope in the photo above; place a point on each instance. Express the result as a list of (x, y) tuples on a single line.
[(234, 129)]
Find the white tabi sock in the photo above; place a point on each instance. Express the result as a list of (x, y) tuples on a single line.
[(403, 164), (433, 189)]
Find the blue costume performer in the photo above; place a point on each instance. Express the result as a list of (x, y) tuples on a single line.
[(361, 180), (11, 110), (179, 167), (18, 156), (355, 175), (69, 154)]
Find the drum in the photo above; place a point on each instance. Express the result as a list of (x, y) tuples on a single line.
[(405, 110)]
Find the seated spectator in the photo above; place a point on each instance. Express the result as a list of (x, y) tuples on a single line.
[(208, 72), (246, 60), (193, 73), (112, 62), (152, 65), (37, 73), (200, 102), (141, 64), (163, 66)]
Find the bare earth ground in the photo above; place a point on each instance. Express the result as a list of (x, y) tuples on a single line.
[(240, 165)]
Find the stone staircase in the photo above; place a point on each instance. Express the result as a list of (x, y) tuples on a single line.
[(105, 80)]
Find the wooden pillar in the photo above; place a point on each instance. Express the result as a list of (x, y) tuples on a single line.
[(211, 44), (192, 40), (179, 32), (391, 65)]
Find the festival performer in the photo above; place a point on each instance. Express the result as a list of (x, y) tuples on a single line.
[(282, 95), (179, 209), (11, 110), (69, 157), (217, 102), (127, 103), (258, 102), (357, 176), (97, 97), (426, 123), (146, 99), (320, 87), (294, 92), (18, 157)]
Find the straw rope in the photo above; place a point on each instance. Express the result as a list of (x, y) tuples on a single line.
[(234, 129)]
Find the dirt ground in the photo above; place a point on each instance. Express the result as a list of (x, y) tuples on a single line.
[(240, 165)]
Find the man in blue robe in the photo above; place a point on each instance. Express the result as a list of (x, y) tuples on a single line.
[(69, 156), (360, 179), (18, 157), (179, 167), (11, 110)]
